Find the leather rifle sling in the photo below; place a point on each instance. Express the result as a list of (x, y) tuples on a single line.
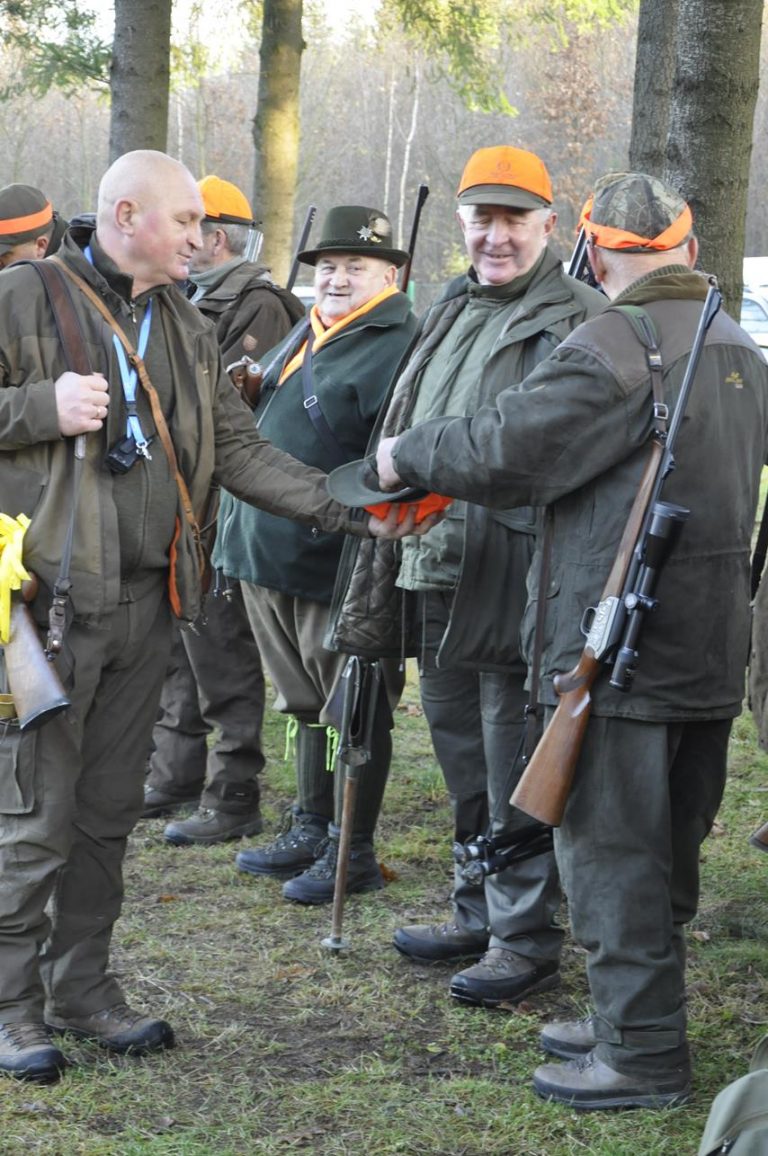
[(77, 360)]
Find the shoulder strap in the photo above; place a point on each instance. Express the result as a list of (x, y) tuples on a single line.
[(646, 333), (154, 401), (312, 406), (532, 726), (77, 360)]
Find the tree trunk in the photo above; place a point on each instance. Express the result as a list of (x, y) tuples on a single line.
[(654, 73), (276, 131), (710, 128), (140, 76)]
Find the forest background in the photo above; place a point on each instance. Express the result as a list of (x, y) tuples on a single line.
[(382, 109)]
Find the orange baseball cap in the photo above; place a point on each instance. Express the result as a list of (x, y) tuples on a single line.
[(224, 201), (503, 175)]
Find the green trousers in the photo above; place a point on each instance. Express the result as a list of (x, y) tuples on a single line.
[(477, 725), (215, 682), (644, 797), (306, 678), (70, 794)]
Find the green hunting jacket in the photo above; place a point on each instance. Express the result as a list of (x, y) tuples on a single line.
[(212, 431), (576, 436), (351, 374)]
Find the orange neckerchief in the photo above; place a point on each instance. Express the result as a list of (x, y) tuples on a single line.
[(322, 334)]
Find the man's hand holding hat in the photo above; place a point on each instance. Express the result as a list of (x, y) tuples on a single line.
[(395, 510)]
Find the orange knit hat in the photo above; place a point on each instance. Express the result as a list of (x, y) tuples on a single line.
[(503, 175)]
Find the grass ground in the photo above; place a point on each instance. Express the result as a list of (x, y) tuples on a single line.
[(285, 1048)]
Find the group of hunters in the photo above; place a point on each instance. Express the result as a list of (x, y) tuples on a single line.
[(207, 408)]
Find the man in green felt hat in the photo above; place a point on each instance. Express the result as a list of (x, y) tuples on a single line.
[(322, 390)]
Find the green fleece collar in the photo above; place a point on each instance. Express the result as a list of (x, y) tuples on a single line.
[(670, 283)]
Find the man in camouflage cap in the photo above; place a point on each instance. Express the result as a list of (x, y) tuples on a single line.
[(26, 224), (649, 780)]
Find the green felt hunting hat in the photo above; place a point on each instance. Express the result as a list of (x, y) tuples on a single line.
[(357, 484), (356, 229)]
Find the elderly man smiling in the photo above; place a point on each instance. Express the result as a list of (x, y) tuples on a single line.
[(321, 394)]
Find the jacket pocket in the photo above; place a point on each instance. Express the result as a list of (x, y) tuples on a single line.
[(17, 771), (21, 490)]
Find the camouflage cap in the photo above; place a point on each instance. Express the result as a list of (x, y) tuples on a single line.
[(636, 213), (25, 213)]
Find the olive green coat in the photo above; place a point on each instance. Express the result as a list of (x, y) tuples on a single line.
[(576, 436)]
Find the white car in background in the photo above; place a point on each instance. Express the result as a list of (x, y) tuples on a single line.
[(754, 317)]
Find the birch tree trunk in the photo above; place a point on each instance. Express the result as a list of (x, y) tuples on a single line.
[(407, 156)]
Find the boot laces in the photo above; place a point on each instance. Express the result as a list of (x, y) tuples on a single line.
[(324, 866), (128, 1016), (27, 1035)]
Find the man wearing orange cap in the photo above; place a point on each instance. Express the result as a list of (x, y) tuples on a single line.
[(576, 435), (215, 680), (26, 224), (489, 328)]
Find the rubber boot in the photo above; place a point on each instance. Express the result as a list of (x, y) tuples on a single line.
[(314, 781)]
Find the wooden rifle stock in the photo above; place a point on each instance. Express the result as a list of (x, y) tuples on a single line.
[(36, 687), (362, 680), (545, 784), (760, 838)]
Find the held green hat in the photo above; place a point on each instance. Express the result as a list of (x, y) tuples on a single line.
[(356, 229), (25, 214)]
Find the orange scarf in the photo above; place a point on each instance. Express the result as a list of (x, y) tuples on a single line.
[(322, 334)]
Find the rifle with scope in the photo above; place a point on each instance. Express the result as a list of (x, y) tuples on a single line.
[(614, 626)]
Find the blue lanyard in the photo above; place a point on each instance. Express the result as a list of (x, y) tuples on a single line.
[(130, 378)]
